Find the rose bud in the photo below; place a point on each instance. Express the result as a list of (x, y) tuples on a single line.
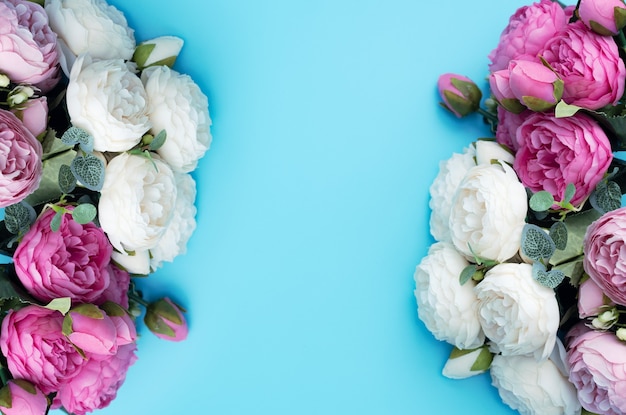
[(460, 95), (34, 115), (165, 319), (605, 17), (20, 397), (465, 363), (124, 324), (90, 329), (159, 51), (499, 81), (535, 85)]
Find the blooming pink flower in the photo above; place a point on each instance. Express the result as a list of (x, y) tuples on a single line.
[(459, 94), (508, 123), (20, 159), (534, 85), (26, 399), (91, 329), (117, 291), (527, 33), (589, 65), (555, 152), (597, 361), (166, 320), (36, 349), (71, 262), (601, 13), (604, 244), (124, 325)]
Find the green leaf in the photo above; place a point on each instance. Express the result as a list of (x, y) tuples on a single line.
[(89, 170), (483, 361), (536, 104), (570, 191), (52, 145), (599, 29), (62, 305), (84, 213), (550, 279), (563, 110), (49, 191), (158, 141), (75, 135), (536, 244), (6, 399), (541, 201), (619, 15), (55, 223), (142, 53), (19, 217), (573, 270), (558, 233), (67, 180), (577, 225), (467, 273), (606, 197)]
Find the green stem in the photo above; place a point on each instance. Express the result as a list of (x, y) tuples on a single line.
[(490, 116), (5, 375), (137, 299)]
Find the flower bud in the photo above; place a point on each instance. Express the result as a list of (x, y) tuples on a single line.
[(34, 115), (159, 51), (165, 319), (20, 397), (535, 85), (501, 90), (605, 17), (621, 333), (465, 363), (606, 319), (4, 81), (124, 324), (20, 95), (459, 94), (136, 263), (90, 329)]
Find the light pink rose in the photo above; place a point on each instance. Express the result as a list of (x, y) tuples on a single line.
[(117, 291), (534, 85), (36, 349), (602, 13), (28, 48), (597, 361), (557, 151), (589, 65), (97, 382), (165, 319), (590, 299), (91, 329), (70, 262), (527, 33), (508, 123), (34, 115), (459, 94), (26, 399), (20, 160), (604, 247)]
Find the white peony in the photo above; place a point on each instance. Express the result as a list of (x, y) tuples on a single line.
[(178, 106), (137, 201), (183, 223), (90, 26), (106, 99), (447, 308), (519, 315), (488, 213), (534, 388)]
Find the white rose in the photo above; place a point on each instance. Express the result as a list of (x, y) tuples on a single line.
[(90, 26), (451, 173), (447, 308), (178, 106), (183, 223), (519, 315), (488, 213), (488, 151), (108, 101), (136, 201), (534, 388)]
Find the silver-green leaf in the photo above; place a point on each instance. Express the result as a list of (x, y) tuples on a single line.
[(606, 197), (558, 233), (89, 170), (19, 217), (541, 201), (550, 279), (467, 273), (75, 135), (536, 243), (84, 213), (158, 141), (67, 180)]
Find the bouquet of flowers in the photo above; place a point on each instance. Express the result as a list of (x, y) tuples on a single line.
[(98, 137), (527, 277)]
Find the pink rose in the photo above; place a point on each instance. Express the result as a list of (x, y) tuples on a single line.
[(527, 33), (26, 399), (589, 65), (165, 319), (36, 349), (90, 329), (71, 262), (34, 115), (604, 244), (28, 47), (597, 361), (124, 324), (534, 85), (117, 291), (599, 15), (590, 299), (96, 383), (459, 94), (508, 123), (20, 160), (557, 151)]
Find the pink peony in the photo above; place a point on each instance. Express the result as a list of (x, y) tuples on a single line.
[(604, 247), (599, 15), (508, 123), (589, 65), (20, 160), (28, 47), (96, 383), (597, 361), (71, 262), (557, 151), (117, 291), (91, 329), (527, 33), (36, 349), (26, 399), (126, 331)]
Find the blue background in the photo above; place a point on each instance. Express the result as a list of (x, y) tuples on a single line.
[(313, 207)]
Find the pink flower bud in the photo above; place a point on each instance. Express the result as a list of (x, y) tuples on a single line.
[(459, 94), (165, 319), (90, 329), (499, 81), (124, 324), (534, 85), (20, 397), (34, 115), (605, 17)]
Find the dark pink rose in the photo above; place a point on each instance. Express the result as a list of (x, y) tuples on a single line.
[(534, 85), (555, 152), (117, 291), (26, 399), (20, 160), (97, 382), (36, 349), (590, 299), (599, 15), (459, 94), (70, 262), (28, 47), (90, 329), (34, 115), (589, 65), (165, 319), (604, 247), (527, 33), (597, 361), (508, 123)]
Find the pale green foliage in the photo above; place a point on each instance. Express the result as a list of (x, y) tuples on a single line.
[(75, 135), (89, 170), (606, 197), (558, 234), (550, 279), (84, 213), (536, 244), (67, 180)]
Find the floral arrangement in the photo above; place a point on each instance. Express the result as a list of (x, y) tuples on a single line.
[(527, 274), (98, 137)]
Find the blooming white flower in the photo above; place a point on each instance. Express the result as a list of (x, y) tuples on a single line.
[(488, 213), (183, 223), (90, 26), (106, 99), (177, 105), (447, 308), (519, 315), (137, 201)]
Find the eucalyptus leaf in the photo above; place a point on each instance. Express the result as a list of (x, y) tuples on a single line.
[(606, 197), (577, 225), (55, 223), (541, 201), (89, 170), (573, 270), (75, 135), (19, 217), (158, 141), (67, 180), (570, 191), (550, 279), (467, 273), (536, 243), (558, 233), (49, 190), (84, 213)]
